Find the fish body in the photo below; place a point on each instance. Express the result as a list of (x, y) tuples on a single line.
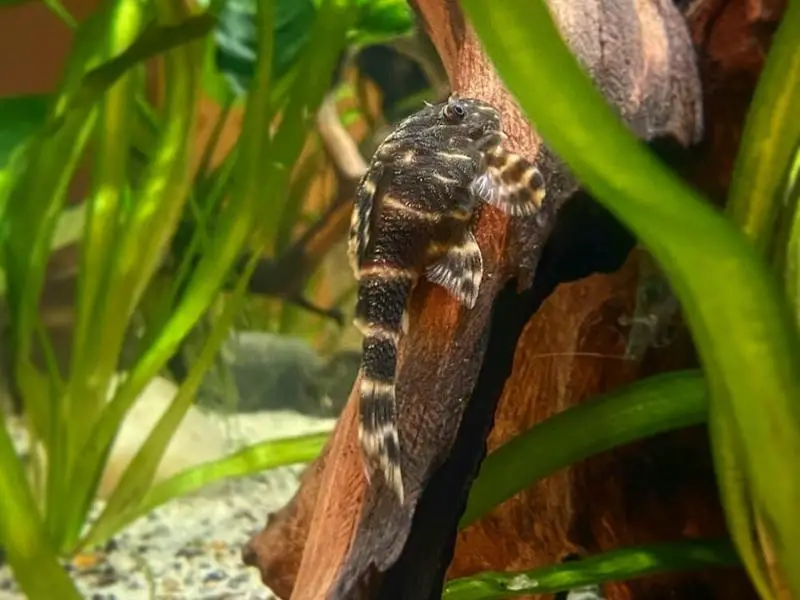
[(412, 219)]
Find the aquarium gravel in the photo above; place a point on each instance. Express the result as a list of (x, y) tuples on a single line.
[(187, 549), (190, 548)]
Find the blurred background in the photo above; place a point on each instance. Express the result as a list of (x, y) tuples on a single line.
[(297, 348), (176, 185)]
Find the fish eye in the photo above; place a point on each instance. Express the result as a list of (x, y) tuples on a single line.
[(454, 111)]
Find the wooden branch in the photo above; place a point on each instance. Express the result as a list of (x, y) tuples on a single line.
[(645, 71)]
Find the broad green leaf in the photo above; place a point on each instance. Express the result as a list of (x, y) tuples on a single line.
[(20, 118), (381, 20), (248, 461), (374, 21), (636, 411), (747, 341), (235, 38), (618, 565), (770, 137)]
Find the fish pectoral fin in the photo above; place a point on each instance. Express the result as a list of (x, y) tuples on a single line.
[(460, 270), (511, 183)]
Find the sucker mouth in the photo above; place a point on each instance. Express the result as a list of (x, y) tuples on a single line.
[(482, 131)]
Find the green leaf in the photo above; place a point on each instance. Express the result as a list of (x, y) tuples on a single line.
[(34, 203), (618, 565), (788, 243), (636, 411), (235, 38), (151, 215), (769, 138), (375, 21), (20, 118), (736, 499), (248, 461), (70, 226), (139, 474), (381, 20), (69, 230), (33, 192), (238, 219), (61, 12), (22, 534), (106, 217), (304, 177), (727, 292), (156, 39), (328, 39)]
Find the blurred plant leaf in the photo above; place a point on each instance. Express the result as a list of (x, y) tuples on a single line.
[(235, 38), (788, 245), (736, 499), (769, 138), (32, 195), (726, 291), (33, 206), (617, 565), (306, 174), (156, 39), (22, 534), (241, 219), (381, 20), (248, 461), (328, 38), (128, 265), (138, 476), (59, 10), (636, 411), (20, 118), (375, 21), (108, 211), (70, 226)]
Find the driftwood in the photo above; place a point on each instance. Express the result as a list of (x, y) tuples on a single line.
[(351, 542)]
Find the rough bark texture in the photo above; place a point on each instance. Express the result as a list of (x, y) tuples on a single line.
[(659, 489)]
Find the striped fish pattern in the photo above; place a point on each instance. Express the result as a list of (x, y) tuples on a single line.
[(412, 219)]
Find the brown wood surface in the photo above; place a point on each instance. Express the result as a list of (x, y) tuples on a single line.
[(658, 489)]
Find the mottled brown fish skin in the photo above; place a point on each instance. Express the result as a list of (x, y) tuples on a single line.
[(412, 219)]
